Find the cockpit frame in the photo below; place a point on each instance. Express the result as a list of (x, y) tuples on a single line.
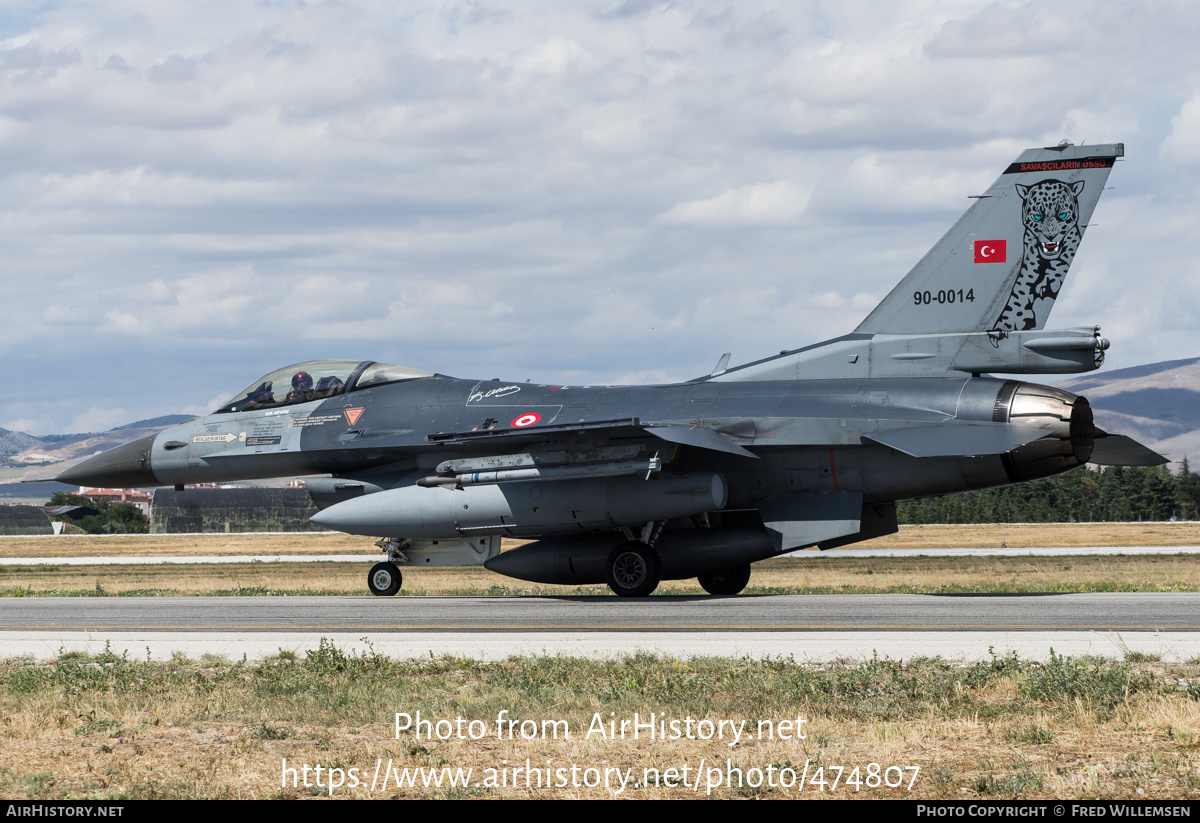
[(313, 380)]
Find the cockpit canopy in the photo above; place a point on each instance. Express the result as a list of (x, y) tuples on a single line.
[(317, 380)]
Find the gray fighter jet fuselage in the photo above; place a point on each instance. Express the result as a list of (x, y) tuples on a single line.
[(631, 485)]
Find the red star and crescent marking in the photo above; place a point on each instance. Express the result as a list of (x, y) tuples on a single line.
[(991, 251), (526, 419)]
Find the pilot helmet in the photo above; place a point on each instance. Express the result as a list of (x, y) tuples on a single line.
[(302, 381)]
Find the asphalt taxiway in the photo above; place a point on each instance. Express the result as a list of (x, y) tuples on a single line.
[(806, 627)]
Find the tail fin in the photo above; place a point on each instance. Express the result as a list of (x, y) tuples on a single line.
[(1001, 266)]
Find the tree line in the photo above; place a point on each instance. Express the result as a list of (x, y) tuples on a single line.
[(113, 517), (1113, 494)]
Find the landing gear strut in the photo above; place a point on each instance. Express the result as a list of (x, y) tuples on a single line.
[(632, 569), (384, 580), (726, 581)]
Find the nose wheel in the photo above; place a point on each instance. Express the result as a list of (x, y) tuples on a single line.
[(384, 580)]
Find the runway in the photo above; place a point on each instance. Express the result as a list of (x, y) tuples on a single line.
[(809, 627), (783, 613), (807, 554)]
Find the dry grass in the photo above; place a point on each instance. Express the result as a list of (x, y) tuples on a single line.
[(1039, 535), (111, 728), (1067, 729), (177, 545), (816, 572), (820, 573), (1073, 573), (909, 537)]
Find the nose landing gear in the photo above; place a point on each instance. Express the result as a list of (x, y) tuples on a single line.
[(384, 580)]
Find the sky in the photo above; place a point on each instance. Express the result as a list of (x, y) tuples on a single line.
[(616, 191)]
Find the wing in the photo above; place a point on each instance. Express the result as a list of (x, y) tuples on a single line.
[(698, 436)]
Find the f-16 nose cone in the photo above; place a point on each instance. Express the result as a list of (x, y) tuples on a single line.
[(124, 467)]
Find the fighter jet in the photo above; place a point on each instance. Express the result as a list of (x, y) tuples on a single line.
[(632, 485)]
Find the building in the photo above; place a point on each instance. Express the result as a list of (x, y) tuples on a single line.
[(17, 519), (232, 510), (142, 500)]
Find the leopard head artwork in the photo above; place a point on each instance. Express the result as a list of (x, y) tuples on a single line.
[(1050, 213)]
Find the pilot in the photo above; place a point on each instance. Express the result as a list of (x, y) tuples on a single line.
[(260, 397), (329, 386), (302, 386)]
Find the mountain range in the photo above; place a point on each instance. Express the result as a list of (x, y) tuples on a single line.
[(1157, 404), (26, 456)]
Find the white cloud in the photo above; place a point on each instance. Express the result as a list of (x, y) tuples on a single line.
[(213, 302), (97, 418), (203, 193), (758, 204), (1182, 144), (26, 424)]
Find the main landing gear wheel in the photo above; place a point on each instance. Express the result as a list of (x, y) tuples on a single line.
[(384, 580), (632, 569), (726, 581)]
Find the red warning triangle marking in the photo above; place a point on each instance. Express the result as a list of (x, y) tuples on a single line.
[(352, 415)]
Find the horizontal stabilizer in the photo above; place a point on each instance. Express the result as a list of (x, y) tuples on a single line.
[(958, 440), (1119, 450), (798, 520)]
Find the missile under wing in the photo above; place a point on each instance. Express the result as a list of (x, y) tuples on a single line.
[(631, 485)]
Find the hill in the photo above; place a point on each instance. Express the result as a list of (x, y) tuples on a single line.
[(1158, 404), (26, 456)]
